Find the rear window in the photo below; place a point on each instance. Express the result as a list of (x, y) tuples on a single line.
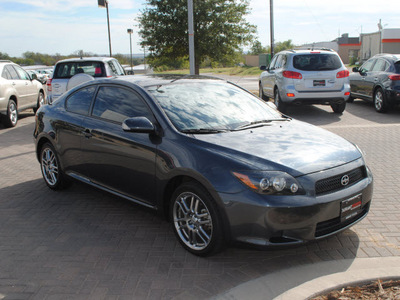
[(317, 62), (69, 69), (397, 67)]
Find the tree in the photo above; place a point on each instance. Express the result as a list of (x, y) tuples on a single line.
[(258, 48), (219, 29), (280, 46)]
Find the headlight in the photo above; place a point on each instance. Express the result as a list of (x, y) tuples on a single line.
[(270, 182)]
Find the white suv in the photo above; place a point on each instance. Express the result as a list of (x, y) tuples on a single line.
[(18, 91), (306, 77), (71, 72)]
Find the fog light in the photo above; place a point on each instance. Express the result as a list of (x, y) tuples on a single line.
[(279, 184), (264, 184), (294, 188)]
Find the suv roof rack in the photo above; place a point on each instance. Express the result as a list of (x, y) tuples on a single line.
[(5, 60)]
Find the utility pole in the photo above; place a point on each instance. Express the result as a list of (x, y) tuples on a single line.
[(271, 26), (191, 38), (130, 31), (104, 3)]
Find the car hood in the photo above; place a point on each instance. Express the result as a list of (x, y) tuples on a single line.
[(292, 146)]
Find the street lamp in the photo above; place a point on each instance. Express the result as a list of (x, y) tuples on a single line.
[(130, 31), (104, 3)]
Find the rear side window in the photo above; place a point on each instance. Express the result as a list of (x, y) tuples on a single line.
[(116, 67), (117, 104), (12, 73), (69, 69), (317, 62), (79, 102)]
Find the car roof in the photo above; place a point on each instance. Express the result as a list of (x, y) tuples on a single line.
[(395, 57), (159, 79), (95, 58)]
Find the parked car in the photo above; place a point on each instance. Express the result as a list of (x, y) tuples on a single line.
[(18, 92), (306, 77), (39, 77), (221, 163), (70, 72), (378, 81)]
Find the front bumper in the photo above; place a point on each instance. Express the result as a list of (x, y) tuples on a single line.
[(284, 220)]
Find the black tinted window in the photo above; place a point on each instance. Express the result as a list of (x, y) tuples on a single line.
[(117, 104), (317, 62), (79, 102), (69, 69)]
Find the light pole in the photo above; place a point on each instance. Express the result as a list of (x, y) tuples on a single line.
[(130, 31), (191, 37), (104, 3), (271, 20)]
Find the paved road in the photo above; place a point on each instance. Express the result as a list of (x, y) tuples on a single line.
[(85, 244)]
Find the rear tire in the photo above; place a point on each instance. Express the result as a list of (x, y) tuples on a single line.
[(338, 108), (51, 168), (196, 220), (11, 118), (380, 101), (278, 101)]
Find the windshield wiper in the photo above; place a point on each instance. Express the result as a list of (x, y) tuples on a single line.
[(260, 123), (203, 130)]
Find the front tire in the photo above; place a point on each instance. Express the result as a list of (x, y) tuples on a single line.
[(261, 93), (40, 102), (380, 101), (195, 219), (51, 169)]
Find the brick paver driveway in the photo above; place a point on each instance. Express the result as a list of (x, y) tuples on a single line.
[(82, 243)]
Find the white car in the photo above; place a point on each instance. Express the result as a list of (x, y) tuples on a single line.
[(73, 71), (18, 91)]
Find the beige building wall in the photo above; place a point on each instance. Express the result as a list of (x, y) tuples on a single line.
[(251, 60), (346, 51)]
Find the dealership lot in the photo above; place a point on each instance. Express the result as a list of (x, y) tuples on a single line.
[(82, 243)]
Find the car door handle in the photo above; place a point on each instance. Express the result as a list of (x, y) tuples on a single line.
[(87, 133)]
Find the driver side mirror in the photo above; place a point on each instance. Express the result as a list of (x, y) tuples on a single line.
[(138, 124)]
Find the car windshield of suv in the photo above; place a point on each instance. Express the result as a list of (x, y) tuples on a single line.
[(211, 106), (317, 62), (69, 69)]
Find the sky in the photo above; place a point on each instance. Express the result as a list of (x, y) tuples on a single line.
[(66, 26)]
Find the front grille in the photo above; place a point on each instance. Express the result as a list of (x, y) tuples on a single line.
[(333, 183), (333, 225)]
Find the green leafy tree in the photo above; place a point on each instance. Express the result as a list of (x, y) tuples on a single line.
[(280, 46), (220, 29), (257, 48)]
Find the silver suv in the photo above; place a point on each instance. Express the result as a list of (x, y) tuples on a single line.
[(18, 91), (71, 72), (306, 77)]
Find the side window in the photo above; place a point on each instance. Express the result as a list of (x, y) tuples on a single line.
[(380, 65), (367, 66), (272, 64), (79, 102), (117, 104), (22, 74), (12, 72), (284, 61), (5, 74), (279, 62), (116, 67)]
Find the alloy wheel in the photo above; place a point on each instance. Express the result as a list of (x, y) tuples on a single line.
[(192, 221), (49, 166)]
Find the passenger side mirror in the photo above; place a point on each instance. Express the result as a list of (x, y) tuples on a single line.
[(138, 124)]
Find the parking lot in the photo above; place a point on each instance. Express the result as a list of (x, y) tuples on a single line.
[(82, 243)]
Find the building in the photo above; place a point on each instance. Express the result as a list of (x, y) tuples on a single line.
[(349, 48), (386, 40)]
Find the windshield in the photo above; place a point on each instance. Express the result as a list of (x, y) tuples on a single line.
[(317, 62), (211, 105)]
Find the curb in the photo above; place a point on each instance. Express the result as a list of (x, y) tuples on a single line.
[(306, 281)]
